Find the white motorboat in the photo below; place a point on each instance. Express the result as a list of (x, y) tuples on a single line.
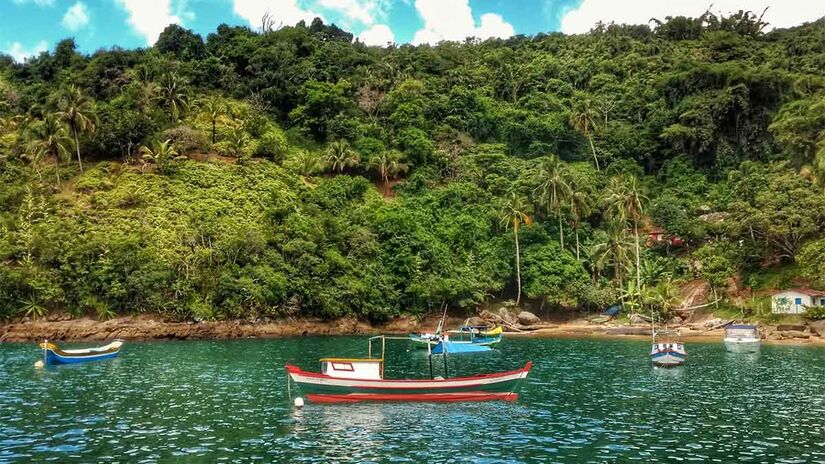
[(742, 338)]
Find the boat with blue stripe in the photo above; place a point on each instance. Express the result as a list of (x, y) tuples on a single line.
[(668, 349), (52, 354)]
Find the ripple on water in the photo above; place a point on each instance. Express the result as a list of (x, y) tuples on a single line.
[(585, 401)]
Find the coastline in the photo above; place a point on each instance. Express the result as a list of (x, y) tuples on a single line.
[(148, 327)]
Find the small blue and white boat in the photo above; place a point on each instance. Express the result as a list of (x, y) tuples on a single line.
[(444, 346), (668, 349), (52, 354)]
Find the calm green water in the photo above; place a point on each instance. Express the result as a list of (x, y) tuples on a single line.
[(585, 401)]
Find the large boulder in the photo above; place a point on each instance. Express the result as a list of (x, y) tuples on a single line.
[(818, 327), (475, 321), (794, 334), (487, 316), (508, 317), (528, 318)]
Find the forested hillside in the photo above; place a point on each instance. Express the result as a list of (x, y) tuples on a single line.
[(296, 172)]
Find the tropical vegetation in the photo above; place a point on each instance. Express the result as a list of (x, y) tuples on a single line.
[(296, 171)]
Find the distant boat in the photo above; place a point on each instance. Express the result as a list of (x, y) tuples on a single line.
[(480, 335), (742, 338), (54, 355), (668, 349), (353, 380)]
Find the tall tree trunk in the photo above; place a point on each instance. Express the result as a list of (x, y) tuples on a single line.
[(593, 148), (77, 147), (577, 243), (561, 231), (213, 131), (518, 265), (638, 257), (57, 170)]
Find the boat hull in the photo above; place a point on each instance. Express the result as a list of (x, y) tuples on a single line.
[(421, 342), (742, 346), (54, 355), (320, 388), (667, 358)]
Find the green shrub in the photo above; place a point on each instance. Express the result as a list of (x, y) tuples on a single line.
[(816, 313)]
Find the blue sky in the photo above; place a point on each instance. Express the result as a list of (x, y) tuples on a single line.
[(29, 26)]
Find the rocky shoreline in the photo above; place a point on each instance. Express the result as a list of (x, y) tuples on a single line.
[(144, 327)]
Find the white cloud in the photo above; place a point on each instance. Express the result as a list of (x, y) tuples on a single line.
[(453, 20), (150, 17), (36, 2), (784, 13), (20, 53), (76, 17), (380, 35), (357, 10), (284, 12)]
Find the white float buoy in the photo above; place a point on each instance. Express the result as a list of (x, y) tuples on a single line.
[(299, 402), (39, 364)]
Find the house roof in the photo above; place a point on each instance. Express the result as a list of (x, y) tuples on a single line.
[(806, 291)]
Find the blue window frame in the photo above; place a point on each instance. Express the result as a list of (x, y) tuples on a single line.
[(797, 301)]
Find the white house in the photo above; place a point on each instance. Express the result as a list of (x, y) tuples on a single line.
[(796, 300)]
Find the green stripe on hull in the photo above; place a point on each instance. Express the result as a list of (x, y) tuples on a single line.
[(499, 387)]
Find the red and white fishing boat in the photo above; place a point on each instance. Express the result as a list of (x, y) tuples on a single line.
[(351, 380)]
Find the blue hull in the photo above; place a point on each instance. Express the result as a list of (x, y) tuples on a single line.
[(53, 358)]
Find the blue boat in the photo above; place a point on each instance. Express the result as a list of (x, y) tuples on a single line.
[(52, 354), (447, 347), (465, 335)]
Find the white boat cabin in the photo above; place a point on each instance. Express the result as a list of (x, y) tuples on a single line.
[(741, 332), (796, 300), (353, 368)]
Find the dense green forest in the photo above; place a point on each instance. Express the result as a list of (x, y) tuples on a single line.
[(295, 171)]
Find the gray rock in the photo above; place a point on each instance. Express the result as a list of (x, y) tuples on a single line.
[(712, 323), (794, 334), (507, 315), (475, 321), (818, 327), (528, 318), (675, 320), (787, 327)]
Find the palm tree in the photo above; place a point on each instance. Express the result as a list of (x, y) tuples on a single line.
[(77, 110), (308, 163), (341, 156), (148, 92), (388, 164), (554, 189), (512, 215), (238, 140), (174, 95), (213, 110), (581, 205), (48, 138), (625, 202), (160, 154), (612, 251), (583, 119)]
